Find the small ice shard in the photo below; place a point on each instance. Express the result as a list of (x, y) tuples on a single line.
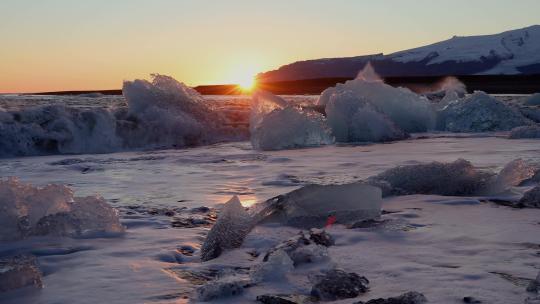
[(411, 297), (19, 271), (221, 288), (479, 113), (337, 284), (274, 268), (531, 198), (353, 119), (533, 100), (276, 125), (26, 210), (302, 249), (532, 131), (311, 206), (229, 231), (456, 178)]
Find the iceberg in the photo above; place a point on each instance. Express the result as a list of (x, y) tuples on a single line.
[(353, 119), (26, 211), (161, 113), (276, 125), (407, 110), (479, 112)]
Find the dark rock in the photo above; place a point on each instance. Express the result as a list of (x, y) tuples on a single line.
[(19, 271), (186, 250), (321, 237), (471, 300), (202, 209), (411, 297), (277, 299), (371, 223), (337, 284)]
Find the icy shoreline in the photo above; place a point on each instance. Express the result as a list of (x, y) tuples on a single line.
[(444, 247)]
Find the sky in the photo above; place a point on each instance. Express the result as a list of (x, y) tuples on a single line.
[(53, 45)]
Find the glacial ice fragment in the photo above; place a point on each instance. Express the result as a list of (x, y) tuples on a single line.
[(479, 112), (274, 268), (26, 210), (276, 125), (311, 206), (229, 231), (353, 119), (407, 110)]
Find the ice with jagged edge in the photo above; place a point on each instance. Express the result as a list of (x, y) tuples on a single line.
[(479, 112), (160, 113), (26, 211), (353, 119), (403, 108), (275, 124), (311, 206), (229, 231)]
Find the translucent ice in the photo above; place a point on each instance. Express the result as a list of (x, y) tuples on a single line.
[(479, 113), (533, 100), (407, 110), (514, 173), (276, 125), (353, 119), (313, 205), (26, 210), (275, 268), (229, 231)]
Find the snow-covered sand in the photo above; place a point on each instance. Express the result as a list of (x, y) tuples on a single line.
[(444, 247)]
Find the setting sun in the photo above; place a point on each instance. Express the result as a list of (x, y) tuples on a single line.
[(247, 84)]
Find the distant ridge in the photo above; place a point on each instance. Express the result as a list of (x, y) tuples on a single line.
[(495, 84), (515, 52)]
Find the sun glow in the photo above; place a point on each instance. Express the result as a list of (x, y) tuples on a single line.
[(247, 84)]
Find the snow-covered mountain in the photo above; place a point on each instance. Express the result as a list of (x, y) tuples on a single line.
[(511, 52)]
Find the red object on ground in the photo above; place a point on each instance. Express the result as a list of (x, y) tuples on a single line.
[(330, 220)]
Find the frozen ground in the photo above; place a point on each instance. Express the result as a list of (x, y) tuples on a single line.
[(444, 247)]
